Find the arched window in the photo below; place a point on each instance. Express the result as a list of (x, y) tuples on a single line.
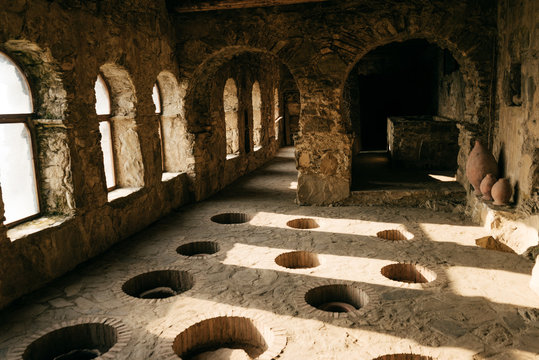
[(116, 110), (231, 105), (102, 109), (17, 165), (277, 112), (156, 97), (257, 116)]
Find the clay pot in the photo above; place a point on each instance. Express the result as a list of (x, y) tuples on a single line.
[(486, 186), (501, 192), (480, 163)]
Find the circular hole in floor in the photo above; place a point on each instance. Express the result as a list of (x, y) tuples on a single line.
[(408, 273), (337, 298), (198, 248), (159, 284), (298, 260), (404, 357), (303, 223), (231, 218), (76, 342), (393, 235), (222, 335)]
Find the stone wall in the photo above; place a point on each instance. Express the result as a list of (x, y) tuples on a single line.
[(516, 140), (422, 142), (451, 90), (321, 43), (62, 46)]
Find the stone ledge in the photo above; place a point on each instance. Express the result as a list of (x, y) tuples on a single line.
[(33, 226), (168, 176), (232, 156), (514, 229), (121, 193)]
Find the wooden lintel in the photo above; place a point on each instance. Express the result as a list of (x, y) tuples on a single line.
[(196, 6)]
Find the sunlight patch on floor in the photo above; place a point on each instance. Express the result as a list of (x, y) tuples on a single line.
[(498, 286)]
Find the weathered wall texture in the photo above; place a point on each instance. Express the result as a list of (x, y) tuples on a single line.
[(320, 45), (423, 142), (205, 112), (451, 93), (308, 51), (62, 46), (516, 131), (516, 141)]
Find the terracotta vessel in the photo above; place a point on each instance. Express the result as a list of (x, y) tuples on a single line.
[(480, 163), (501, 192), (486, 185)]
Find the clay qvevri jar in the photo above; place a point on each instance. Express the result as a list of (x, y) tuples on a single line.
[(486, 186), (501, 192), (480, 163)]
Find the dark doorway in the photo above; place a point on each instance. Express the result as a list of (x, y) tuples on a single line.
[(396, 79), (419, 87)]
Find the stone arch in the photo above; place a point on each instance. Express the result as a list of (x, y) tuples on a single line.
[(50, 107), (171, 94), (129, 167), (44, 77), (205, 111), (475, 122), (122, 90), (468, 67), (325, 173)]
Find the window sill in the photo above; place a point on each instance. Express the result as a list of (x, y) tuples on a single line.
[(167, 176), (121, 193), (36, 225), (232, 156)]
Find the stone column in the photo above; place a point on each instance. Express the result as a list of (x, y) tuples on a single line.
[(323, 150)]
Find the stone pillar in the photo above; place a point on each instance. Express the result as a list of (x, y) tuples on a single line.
[(323, 151)]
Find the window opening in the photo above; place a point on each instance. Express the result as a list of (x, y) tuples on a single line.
[(103, 110), (156, 97), (17, 159), (276, 113), (231, 105), (256, 99)]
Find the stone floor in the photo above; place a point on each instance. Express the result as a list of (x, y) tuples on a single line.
[(479, 306), (376, 182)]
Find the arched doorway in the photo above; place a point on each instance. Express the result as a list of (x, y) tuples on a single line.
[(404, 101), (256, 109)]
